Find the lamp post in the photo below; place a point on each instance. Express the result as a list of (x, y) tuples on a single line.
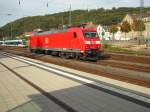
[(11, 27)]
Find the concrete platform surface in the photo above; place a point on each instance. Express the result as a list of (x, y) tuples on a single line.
[(18, 96), (75, 94), (113, 82)]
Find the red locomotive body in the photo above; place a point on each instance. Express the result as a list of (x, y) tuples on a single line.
[(74, 43)]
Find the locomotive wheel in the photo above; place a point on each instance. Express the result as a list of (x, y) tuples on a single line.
[(46, 52), (34, 51), (77, 56), (37, 51), (64, 55), (67, 56), (61, 54), (74, 55), (31, 50), (55, 53)]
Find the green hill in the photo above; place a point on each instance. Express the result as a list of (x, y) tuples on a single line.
[(99, 16)]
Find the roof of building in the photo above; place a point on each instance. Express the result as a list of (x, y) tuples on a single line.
[(137, 16)]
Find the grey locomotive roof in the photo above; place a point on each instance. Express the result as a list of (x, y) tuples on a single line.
[(50, 32)]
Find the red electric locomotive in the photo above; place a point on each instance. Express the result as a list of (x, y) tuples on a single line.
[(76, 42)]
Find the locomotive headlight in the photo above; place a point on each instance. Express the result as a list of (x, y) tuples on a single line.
[(87, 46), (87, 42), (98, 42)]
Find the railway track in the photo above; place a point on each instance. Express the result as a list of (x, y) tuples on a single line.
[(130, 58), (94, 67), (90, 83), (126, 65), (119, 58)]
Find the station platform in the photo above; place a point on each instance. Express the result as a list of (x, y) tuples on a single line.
[(18, 96), (70, 94)]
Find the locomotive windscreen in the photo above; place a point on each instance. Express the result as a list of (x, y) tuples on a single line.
[(90, 34)]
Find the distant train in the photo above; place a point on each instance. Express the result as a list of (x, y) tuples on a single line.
[(1, 42), (76, 42), (13, 43)]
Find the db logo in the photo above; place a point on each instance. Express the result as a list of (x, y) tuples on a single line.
[(46, 40)]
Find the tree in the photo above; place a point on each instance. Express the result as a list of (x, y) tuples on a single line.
[(114, 8), (105, 17), (1, 33), (125, 27), (113, 29), (138, 25)]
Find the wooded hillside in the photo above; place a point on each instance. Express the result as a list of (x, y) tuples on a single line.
[(97, 16)]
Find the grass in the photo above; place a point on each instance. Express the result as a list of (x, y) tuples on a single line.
[(110, 48)]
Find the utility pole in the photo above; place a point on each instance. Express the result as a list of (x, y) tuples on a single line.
[(141, 6), (62, 22), (11, 31), (141, 38), (11, 28), (70, 22)]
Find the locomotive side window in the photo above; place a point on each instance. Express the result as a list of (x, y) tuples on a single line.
[(74, 34), (90, 34)]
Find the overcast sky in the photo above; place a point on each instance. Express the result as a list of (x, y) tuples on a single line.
[(38, 7)]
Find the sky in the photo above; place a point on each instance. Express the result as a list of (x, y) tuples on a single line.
[(11, 10)]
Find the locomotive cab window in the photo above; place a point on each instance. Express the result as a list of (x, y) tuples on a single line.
[(74, 34), (90, 34)]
